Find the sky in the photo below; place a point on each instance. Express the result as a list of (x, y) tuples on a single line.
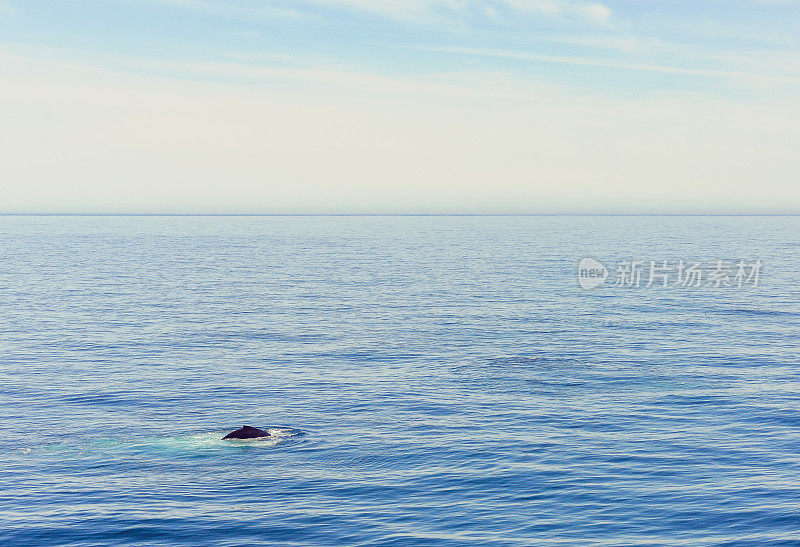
[(399, 106)]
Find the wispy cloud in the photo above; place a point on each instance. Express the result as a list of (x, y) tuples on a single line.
[(779, 74), (428, 9), (6, 8), (227, 8), (416, 10), (595, 11)]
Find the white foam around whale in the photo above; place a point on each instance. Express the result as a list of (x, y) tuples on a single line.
[(213, 440)]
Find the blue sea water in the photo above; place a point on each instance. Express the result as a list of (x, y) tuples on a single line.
[(427, 381)]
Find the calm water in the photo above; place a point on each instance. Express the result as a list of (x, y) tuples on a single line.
[(428, 380)]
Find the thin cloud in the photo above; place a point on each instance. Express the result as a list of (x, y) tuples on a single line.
[(225, 8), (427, 9), (604, 63), (6, 8), (413, 10), (593, 11)]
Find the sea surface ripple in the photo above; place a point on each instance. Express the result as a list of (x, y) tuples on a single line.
[(427, 380)]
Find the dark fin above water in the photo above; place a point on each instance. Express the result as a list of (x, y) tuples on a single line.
[(246, 432)]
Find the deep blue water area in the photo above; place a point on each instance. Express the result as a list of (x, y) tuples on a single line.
[(426, 381)]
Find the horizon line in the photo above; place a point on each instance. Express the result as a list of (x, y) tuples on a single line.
[(403, 214)]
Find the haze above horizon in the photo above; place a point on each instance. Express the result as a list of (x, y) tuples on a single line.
[(409, 107)]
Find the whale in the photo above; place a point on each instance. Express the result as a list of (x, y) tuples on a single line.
[(246, 432)]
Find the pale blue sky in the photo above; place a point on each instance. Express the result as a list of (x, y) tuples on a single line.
[(390, 105)]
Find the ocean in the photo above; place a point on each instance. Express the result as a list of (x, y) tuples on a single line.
[(427, 380)]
